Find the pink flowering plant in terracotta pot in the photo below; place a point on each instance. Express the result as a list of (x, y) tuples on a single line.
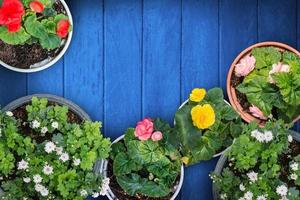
[(262, 163), (49, 152), (144, 165), (263, 83)]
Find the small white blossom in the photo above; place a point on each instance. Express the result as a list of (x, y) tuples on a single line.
[(50, 147), (27, 180), (252, 176), (248, 195), (54, 125), (22, 165), (261, 197), (268, 136), (104, 186), (223, 196), (294, 176), (44, 192), (36, 124), (254, 133), (37, 178), (83, 193), (44, 130), (64, 157), (59, 150), (242, 187), (76, 162), (294, 166), (38, 187), (9, 113), (95, 195), (0, 132), (290, 138), (48, 170), (282, 190), (260, 137)]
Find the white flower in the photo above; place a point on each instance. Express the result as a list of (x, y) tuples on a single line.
[(242, 187), (76, 162), (36, 124), (0, 132), (290, 138), (44, 192), (261, 197), (48, 170), (268, 136), (105, 186), (9, 113), (294, 176), (252, 176), (260, 137), (294, 166), (37, 178), (38, 187), (248, 195), (59, 150), (64, 157), (83, 193), (27, 180), (95, 195), (254, 133), (22, 165), (54, 125), (282, 190), (50, 147), (223, 196), (44, 130)]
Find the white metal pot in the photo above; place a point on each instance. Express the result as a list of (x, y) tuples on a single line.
[(47, 62), (103, 170)]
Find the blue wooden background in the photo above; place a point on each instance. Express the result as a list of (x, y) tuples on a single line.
[(132, 58)]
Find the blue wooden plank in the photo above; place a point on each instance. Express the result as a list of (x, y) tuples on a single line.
[(123, 67), (238, 30), (48, 81), (12, 85), (161, 58), (277, 21), (200, 33), (83, 77)]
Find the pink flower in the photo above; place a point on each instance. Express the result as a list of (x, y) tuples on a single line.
[(279, 67), (156, 136), (256, 112), (245, 66), (144, 129)]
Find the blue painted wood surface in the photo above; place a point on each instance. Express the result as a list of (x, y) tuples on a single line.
[(132, 58)]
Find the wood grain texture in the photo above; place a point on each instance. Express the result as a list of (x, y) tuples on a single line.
[(83, 70), (123, 65), (161, 58)]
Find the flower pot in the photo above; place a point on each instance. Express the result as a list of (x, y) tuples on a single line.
[(50, 60), (103, 170), (223, 160), (231, 91)]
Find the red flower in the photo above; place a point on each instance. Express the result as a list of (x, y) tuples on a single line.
[(37, 6), (11, 14), (62, 28)]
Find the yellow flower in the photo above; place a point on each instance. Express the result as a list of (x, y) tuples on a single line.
[(185, 160), (203, 116), (197, 94)]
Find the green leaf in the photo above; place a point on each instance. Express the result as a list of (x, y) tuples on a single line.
[(52, 41), (35, 28), (59, 17), (50, 26), (215, 96), (49, 12), (16, 38), (124, 165), (266, 56)]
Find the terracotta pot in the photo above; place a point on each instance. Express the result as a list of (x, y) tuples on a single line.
[(231, 91)]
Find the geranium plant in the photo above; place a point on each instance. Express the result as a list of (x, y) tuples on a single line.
[(267, 81), (205, 125), (262, 164), (32, 21), (144, 164), (46, 152)]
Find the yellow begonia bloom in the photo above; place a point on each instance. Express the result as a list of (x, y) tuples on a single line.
[(185, 160), (197, 94), (203, 116)]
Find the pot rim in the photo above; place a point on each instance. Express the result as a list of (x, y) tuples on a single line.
[(217, 154), (223, 159), (41, 65), (103, 170), (231, 90)]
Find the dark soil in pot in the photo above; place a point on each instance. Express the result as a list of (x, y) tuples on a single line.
[(23, 56)]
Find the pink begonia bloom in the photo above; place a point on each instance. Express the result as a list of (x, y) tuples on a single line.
[(156, 136), (279, 67), (245, 66), (144, 129), (256, 112)]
